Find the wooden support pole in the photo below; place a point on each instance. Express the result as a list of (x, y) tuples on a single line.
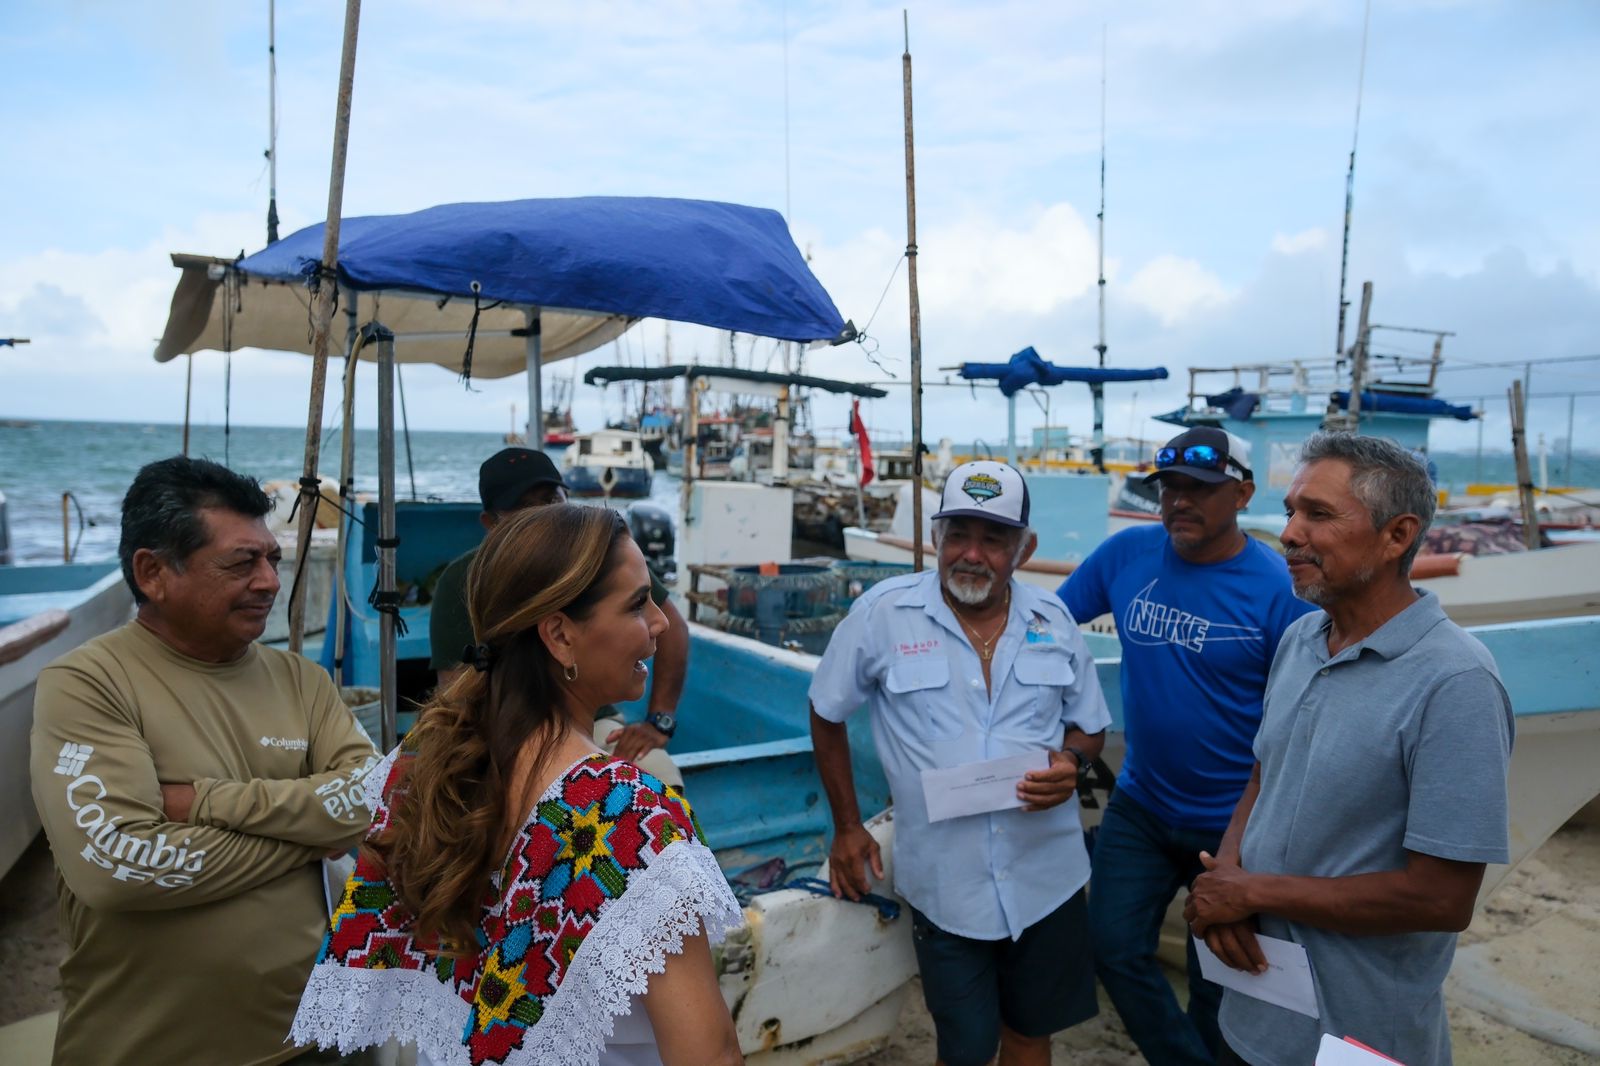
[(310, 498), (916, 307), (1519, 448)]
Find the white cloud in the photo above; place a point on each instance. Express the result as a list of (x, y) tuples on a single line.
[(1310, 240), (123, 293), (979, 267), (1174, 288)]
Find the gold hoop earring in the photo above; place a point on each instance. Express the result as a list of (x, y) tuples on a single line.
[(570, 671)]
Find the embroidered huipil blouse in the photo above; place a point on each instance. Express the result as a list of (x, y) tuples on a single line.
[(602, 883)]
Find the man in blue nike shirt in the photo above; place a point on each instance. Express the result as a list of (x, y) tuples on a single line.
[(1199, 608)]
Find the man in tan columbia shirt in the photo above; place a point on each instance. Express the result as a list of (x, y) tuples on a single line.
[(190, 781)]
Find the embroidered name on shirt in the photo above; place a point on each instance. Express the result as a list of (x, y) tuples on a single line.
[(917, 647), (287, 743), (1149, 622)]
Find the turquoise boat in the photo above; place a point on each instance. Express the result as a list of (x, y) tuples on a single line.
[(45, 612)]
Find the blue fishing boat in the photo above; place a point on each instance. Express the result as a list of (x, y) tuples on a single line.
[(45, 612)]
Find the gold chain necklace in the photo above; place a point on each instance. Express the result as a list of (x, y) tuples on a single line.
[(984, 648)]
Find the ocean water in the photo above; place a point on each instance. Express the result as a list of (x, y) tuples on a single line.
[(95, 462)]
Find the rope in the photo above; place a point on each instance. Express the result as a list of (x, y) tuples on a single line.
[(478, 307), (315, 273), (405, 429), (388, 602), (888, 909), (228, 311), (309, 486)]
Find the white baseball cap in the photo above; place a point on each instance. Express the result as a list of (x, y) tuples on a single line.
[(986, 489)]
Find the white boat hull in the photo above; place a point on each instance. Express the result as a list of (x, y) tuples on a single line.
[(106, 605), (795, 1002)]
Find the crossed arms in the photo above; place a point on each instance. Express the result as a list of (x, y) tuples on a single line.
[(123, 839)]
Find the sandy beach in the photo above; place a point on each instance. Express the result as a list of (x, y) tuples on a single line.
[(1543, 925)]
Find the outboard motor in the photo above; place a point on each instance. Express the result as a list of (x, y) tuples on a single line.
[(651, 527)]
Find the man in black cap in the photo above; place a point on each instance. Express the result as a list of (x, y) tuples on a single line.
[(1199, 607), (508, 481)]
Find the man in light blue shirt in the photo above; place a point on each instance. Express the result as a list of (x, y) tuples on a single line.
[(957, 666), (1380, 785)]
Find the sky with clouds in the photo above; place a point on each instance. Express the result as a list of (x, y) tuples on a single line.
[(137, 129)]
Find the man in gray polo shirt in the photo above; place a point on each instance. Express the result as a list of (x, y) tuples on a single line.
[(1380, 786)]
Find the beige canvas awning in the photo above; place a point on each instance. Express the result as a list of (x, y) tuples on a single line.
[(276, 316)]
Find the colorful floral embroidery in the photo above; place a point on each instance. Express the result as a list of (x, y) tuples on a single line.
[(591, 832)]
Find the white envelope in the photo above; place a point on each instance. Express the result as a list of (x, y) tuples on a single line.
[(1286, 982), (978, 787), (335, 872)]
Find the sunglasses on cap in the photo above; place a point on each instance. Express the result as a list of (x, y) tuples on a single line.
[(1202, 456)]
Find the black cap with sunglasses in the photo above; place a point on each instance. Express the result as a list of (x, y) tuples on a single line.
[(1203, 453)]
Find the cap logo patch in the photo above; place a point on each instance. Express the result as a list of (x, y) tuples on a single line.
[(981, 487)]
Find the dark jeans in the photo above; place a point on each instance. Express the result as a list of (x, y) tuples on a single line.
[(1140, 864), (1226, 1057)]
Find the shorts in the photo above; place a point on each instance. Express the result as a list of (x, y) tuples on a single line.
[(1036, 985)]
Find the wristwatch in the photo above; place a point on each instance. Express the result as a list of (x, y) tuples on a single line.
[(1083, 760), (665, 723)]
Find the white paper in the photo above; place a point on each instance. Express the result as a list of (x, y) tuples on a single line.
[(1335, 1052), (1286, 982), (978, 787), (335, 872)]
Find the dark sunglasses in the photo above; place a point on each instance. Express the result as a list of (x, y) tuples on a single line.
[(1203, 456)]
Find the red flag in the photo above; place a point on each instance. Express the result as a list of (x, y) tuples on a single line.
[(858, 430)]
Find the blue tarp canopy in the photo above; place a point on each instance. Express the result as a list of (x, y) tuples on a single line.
[(721, 265), (1028, 368), (1405, 405)]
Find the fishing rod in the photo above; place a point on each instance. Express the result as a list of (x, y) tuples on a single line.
[(1350, 187), (272, 122)]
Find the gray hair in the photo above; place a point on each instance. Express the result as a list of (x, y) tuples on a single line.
[(1024, 534), (1389, 479)]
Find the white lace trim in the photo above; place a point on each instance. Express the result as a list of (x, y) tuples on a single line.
[(377, 777), (680, 891)]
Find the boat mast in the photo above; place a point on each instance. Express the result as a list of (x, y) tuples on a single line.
[(916, 308), (788, 215), (1097, 451), (272, 122), (1350, 188), (1101, 347)]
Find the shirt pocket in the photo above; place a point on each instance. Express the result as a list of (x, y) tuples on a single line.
[(1045, 676), (923, 686)]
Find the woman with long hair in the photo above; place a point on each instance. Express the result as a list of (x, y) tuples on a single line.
[(522, 897)]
